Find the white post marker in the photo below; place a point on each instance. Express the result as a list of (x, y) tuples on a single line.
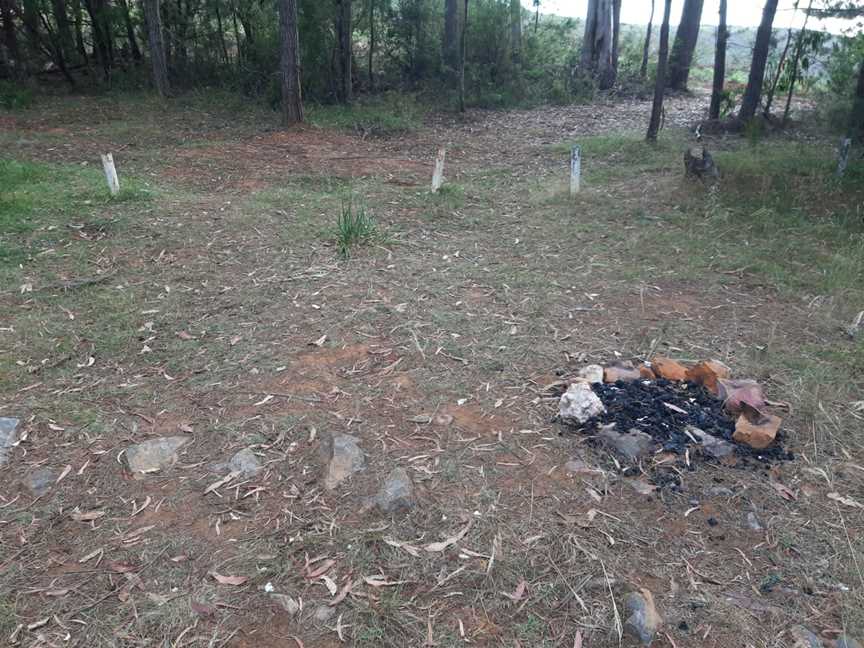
[(843, 157), (575, 171), (438, 173), (111, 174)]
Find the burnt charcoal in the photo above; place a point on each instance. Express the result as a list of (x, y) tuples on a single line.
[(652, 407)]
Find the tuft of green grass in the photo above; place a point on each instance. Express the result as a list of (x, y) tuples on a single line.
[(355, 226)]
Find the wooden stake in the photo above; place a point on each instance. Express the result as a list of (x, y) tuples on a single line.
[(111, 174), (575, 171), (438, 174)]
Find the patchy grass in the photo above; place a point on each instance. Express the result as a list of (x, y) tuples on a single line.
[(355, 226), (384, 115)]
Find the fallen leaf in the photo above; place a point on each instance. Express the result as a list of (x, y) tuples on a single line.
[(63, 474), (217, 484), (202, 609), (121, 567), (319, 342), (346, 589), (846, 501), (519, 592), (381, 581), (330, 584), (234, 340), (320, 570), (86, 516), (435, 547), (228, 580), (783, 491), (183, 335), (57, 592)]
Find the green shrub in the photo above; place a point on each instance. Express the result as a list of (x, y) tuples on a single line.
[(14, 96)]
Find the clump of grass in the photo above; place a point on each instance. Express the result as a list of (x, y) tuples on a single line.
[(355, 226)]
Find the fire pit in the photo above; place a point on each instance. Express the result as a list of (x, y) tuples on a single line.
[(700, 412)]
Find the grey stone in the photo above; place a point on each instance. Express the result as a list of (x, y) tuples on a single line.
[(803, 638), (39, 481), (592, 373), (344, 457), (579, 403), (720, 491), (633, 445), (323, 613), (244, 462), (642, 619), (711, 445), (751, 521), (154, 454), (845, 641), (397, 494), (287, 603), (8, 436)]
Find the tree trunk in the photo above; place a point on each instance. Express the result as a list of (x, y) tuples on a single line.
[(856, 120), (753, 93), (643, 70), (10, 38), (596, 58), (221, 28), (769, 96), (343, 32), (616, 32), (799, 48), (371, 43), (452, 48), (463, 54), (719, 65), (79, 31), (685, 44), (64, 30), (660, 82), (101, 37), (130, 32), (516, 31), (157, 47), (292, 100)]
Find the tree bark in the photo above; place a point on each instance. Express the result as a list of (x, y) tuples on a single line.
[(344, 31), (221, 29), (660, 82), (596, 58), (719, 65), (778, 73), (452, 48), (130, 32), (101, 35), (643, 70), (616, 32), (685, 44), (516, 31), (157, 47), (64, 30), (79, 31), (292, 100), (753, 93)]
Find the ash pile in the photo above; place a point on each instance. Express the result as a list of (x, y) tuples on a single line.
[(693, 412)]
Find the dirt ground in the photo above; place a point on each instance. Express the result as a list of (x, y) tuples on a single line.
[(224, 315)]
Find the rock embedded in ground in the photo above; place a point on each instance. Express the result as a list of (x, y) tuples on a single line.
[(39, 481), (845, 641), (323, 613), (804, 638), (720, 491), (711, 445), (621, 371), (642, 619), (8, 436), (751, 521), (708, 373), (735, 394), (154, 454), (592, 373), (756, 429), (397, 493), (632, 445), (579, 403), (245, 462), (668, 369), (287, 603), (343, 456)]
